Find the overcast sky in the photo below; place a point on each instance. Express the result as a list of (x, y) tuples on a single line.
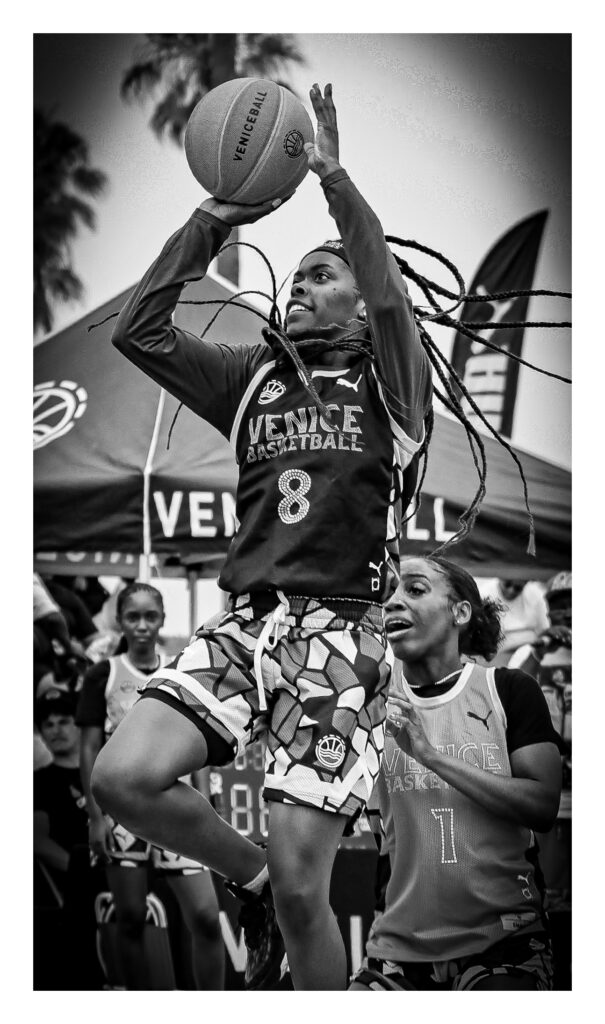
[(451, 138)]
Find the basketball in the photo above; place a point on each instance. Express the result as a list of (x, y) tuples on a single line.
[(244, 141)]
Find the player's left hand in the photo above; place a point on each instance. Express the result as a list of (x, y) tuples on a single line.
[(322, 154), (406, 728)]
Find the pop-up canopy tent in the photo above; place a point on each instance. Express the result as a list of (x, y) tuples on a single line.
[(107, 490)]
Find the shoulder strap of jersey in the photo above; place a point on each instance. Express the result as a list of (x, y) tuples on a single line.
[(260, 375), (490, 675), (405, 445), (112, 674)]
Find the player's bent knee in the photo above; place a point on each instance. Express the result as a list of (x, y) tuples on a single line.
[(116, 787)]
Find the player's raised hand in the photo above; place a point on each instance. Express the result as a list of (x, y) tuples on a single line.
[(322, 154)]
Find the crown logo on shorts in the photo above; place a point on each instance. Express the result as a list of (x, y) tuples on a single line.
[(330, 751), (272, 390)]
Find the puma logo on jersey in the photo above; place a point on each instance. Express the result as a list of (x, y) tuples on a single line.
[(340, 378), (375, 580), (273, 389), (525, 890), (471, 714), (350, 384)]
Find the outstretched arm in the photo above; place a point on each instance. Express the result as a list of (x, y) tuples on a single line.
[(197, 373), (402, 362)]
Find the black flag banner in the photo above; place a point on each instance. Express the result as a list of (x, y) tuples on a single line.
[(491, 377)]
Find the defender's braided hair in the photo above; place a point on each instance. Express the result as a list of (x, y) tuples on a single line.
[(358, 340)]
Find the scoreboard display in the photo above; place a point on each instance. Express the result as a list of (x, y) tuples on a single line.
[(236, 791)]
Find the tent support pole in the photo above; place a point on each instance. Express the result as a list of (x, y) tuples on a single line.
[(192, 587)]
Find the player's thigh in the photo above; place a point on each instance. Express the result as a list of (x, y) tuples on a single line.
[(154, 743), (302, 846)]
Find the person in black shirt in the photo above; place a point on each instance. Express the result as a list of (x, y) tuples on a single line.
[(60, 816), (65, 885)]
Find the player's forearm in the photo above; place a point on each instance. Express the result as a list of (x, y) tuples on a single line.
[(145, 322), (373, 264), (400, 356), (523, 801)]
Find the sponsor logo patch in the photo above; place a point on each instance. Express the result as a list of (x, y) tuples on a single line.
[(330, 751), (273, 389)]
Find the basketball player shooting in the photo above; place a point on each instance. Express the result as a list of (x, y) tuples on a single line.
[(325, 451)]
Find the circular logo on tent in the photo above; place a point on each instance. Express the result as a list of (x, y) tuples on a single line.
[(330, 751), (56, 408)]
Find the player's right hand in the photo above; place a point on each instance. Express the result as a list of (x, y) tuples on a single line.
[(100, 838), (236, 214)]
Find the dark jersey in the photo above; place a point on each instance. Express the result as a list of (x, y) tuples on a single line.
[(318, 508), (322, 502)]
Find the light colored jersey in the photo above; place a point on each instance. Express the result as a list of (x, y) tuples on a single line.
[(461, 878), (122, 688)]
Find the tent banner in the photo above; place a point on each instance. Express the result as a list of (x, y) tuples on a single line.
[(490, 376)]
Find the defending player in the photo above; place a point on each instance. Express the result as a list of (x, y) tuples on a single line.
[(300, 654), (470, 769)]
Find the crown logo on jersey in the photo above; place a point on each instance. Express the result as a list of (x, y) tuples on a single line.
[(272, 390), (330, 751)]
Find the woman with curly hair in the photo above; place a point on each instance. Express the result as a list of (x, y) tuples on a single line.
[(470, 769)]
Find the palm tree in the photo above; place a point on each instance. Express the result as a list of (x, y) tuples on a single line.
[(63, 180), (177, 70)]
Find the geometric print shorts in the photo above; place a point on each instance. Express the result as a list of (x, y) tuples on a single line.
[(309, 676)]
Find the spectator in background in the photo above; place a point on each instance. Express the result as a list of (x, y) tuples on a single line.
[(79, 621), (525, 613), (64, 884), (548, 659), (92, 592), (51, 641), (60, 816), (109, 691), (51, 632)]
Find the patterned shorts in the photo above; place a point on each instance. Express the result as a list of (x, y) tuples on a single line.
[(310, 676), (518, 956)]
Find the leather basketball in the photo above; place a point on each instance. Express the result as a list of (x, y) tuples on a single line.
[(244, 141)]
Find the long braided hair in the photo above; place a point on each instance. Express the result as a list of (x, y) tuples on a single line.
[(451, 395)]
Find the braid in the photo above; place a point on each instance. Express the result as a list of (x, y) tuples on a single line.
[(454, 391)]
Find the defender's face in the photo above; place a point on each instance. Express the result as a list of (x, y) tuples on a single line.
[(419, 616), (323, 295)]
